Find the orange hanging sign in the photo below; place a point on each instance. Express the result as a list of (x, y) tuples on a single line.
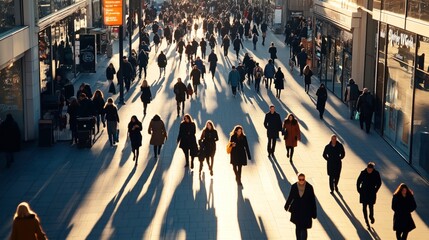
[(112, 12)]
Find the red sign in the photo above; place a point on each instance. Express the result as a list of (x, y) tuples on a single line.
[(112, 12)]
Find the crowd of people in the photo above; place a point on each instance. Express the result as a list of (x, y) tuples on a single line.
[(225, 24)]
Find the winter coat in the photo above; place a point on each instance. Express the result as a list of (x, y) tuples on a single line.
[(209, 139), (110, 73), (146, 95), (307, 77), (212, 60), (302, 209), (111, 113), (143, 59), (86, 108), (237, 44), (333, 155), (10, 140), (233, 78), (187, 137), (180, 91), (273, 52), (27, 228), (352, 92), (302, 58), (127, 71), (279, 82), (367, 186), (195, 76), (403, 207), (98, 104), (365, 105), (241, 152), (269, 70), (322, 97), (135, 134), (158, 132), (162, 61), (293, 133), (273, 124)]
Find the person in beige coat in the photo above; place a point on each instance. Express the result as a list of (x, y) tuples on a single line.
[(159, 134), (291, 134)]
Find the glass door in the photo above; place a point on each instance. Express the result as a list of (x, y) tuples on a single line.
[(330, 62)]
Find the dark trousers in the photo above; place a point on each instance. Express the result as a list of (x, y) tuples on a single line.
[(333, 181), (187, 151), (157, 149), (365, 212), (321, 111), (250, 76), (144, 108), (100, 118), (140, 71), (178, 107), (225, 51), (367, 121), (240, 86), (268, 82), (257, 84), (9, 158), (234, 90), (301, 233), (203, 54), (290, 151), (237, 52), (127, 82), (401, 235), (271, 147), (237, 171)]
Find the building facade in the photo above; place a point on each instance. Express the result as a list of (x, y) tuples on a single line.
[(402, 78)]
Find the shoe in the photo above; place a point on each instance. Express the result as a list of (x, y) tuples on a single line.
[(211, 172), (134, 158), (331, 192), (336, 189), (287, 154), (192, 165), (372, 220)]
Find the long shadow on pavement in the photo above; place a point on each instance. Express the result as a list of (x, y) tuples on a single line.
[(251, 226)]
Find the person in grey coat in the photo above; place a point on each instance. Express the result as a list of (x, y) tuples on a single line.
[(158, 134), (233, 80), (273, 124), (367, 184)]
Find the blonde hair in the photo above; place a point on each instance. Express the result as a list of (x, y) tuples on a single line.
[(23, 210)]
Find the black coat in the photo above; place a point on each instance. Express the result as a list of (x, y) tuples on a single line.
[(180, 91), (209, 139), (98, 104), (334, 155), (241, 152), (367, 186), (212, 60), (302, 209), (135, 134), (403, 207), (273, 52), (143, 59), (187, 137), (110, 73), (146, 95), (273, 124), (111, 113), (279, 80), (365, 105), (322, 97), (162, 61), (10, 140), (307, 77), (86, 108)]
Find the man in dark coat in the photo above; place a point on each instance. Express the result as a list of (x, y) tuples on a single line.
[(180, 92), (213, 63), (203, 46), (333, 154), (237, 44), (195, 76), (273, 124), (127, 73), (301, 203), (162, 63), (367, 184), (10, 141), (143, 61), (302, 60), (365, 107)]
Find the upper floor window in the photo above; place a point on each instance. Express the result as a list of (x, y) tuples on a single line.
[(47, 7), (10, 12), (396, 6), (418, 9)]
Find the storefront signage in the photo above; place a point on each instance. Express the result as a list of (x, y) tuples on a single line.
[(401, 39), (87, 53), (112, 12)]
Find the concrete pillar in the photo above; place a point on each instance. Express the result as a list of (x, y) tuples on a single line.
[(359, 41)]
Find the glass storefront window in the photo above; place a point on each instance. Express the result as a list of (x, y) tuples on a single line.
[(399, 88), (379, 94), (396, 6), (8, 18), (47, 7), (11, 97), (418, 9)]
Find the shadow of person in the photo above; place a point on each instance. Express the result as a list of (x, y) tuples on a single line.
[(281, 177), (363, 234), (374, 233), (251, 226)]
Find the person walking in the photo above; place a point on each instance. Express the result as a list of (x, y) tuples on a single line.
[(258, 73), (203, 47), (180, 92), (143, 62), (242, 71), (351, 96), (233, 80), (367, 184), (254, 40), (189, 52), (212, 63), (134, 132), (26, 224), (264, 28), (145, 96), (292, 134), (269, 72), (365, 107), (187, 139), (322, 97), (98, 103), (240, 152), (180, 46), (272, 50), (301, 203), (334, 154), (10, 140), (73, 110), (307, 78), (238, 44), (162, 63), (208, 138), (112, 118), (273, 124), (158, 134), (196, 78), (302, 60), (279, 82), (110, 75), (226, 42), (403, 204), (127, 73)]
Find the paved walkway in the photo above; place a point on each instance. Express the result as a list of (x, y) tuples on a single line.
[(98, 194)]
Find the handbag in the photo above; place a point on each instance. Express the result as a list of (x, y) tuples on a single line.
[(229, 148), (284, 132), (357, 115)]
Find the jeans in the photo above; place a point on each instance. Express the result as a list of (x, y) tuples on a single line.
[(257, 84), (365, 212)]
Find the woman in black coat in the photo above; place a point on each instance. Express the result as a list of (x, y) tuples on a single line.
[(146, 95), (307, 78), (240, 151), (98, 103), (403, 204), (322, 97), (73, 110), (279, 82), (134, 132), (187, 139), (10, 140), (208, 139), (301, 203), (112, 118)]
